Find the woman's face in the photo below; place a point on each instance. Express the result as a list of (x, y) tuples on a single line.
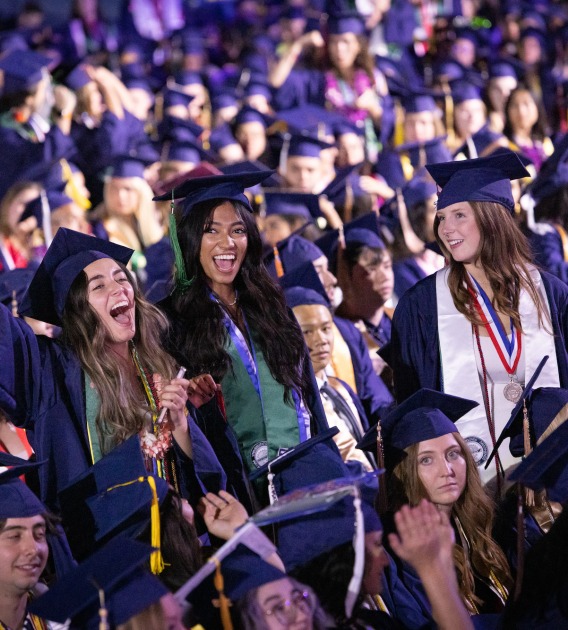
[(522, 111), (252, 138), (111, 295), (93, 100), (285, 606), (498, 91), (172, 613), (419, 127), (17, 206), (223, 247), (459, 232), (121, 196), (470, 117), (442, 469), (343, 50), (140, 103), (351, 150), (429, 217)]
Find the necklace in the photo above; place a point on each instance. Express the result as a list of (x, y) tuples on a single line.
[(233, 302)]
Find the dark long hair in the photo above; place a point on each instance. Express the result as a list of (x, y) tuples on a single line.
[(198, 332)]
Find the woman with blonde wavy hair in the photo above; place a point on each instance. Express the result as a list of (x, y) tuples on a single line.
[(479, 327), (428, 459), (127, 215), (105, 379)]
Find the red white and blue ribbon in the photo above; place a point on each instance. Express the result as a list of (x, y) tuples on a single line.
[(508, 349)]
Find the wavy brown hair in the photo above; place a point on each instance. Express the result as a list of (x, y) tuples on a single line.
[(505, 256), (122, 409), (474, 509)]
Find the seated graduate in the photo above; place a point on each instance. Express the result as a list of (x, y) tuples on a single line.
[(347, 572), (426, 458), (26, 529), (543, 588), (104, 379), (365, 275), (342, 407), (231, 327), (293, 260), (111, 590)]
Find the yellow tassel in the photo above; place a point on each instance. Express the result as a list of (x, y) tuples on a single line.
[(156, 559), (278, 263), (71, 188), (398, 135), (224, 601)]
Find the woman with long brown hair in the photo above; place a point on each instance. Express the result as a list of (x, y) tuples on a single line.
[(428, 459), (105, 379), (477, 327)]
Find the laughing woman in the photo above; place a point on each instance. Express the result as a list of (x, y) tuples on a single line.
[(104, 380), (231, 327), (478, 327)]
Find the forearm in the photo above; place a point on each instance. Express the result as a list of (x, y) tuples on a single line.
[(281, 70), (441, 586), (183, 440)]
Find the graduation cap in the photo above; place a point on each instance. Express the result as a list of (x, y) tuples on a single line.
[(426, 415), (345, 178), (309, 119), (301, 296), (226, 98), (249, 114), (313, 520), (304, 277), (111, 579), (553, 174), (303, 145), (504, 68), (514, 426), (13, 285), (430, 152), (483, 143), (188, 77), (16, 499), (418, 102), (346, 126), (201, 170), (258, 86), (69, 253), (234, 569), (418, 190), (346, 22), (547, 466), (77, 78), (480, 179), (22, 69), (227, 186), (114, 496), (54, 198), (292, 252), (176, 128), (129, 166), (221, 137), (185, 151), (303, 205), (463, 90), (173, 97)]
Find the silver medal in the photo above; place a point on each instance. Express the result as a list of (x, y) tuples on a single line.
[(513, 391)]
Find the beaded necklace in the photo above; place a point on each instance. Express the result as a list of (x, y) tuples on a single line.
[(156, 443)]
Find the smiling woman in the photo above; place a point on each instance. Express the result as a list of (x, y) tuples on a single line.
[(107, 376), (231, 327), (480, 326)]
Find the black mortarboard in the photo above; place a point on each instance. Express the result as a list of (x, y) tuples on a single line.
[(22, 69), (346, 22), (16, 499), (69, 253), (547, 466), (299, 204), (480, 179), (14, 284), (229, 187), (426, 415), (115, 572)]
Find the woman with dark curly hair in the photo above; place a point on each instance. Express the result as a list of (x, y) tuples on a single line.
[(231, 327)]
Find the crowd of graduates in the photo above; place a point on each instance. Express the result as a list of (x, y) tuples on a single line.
[(284, 315)]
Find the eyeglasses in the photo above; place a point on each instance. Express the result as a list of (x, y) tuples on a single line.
[(286, 611)]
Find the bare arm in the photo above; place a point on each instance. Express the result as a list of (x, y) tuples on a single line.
[(280, 72), (425, 539)]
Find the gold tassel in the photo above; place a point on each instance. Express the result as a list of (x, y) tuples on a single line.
[(71, 188), (278, 263), (224, 601), (529, 494), (156, 559), (398, 135)]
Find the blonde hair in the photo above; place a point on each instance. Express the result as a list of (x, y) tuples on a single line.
[(474, 511)]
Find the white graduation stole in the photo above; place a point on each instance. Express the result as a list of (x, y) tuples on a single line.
[(459, 368)]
